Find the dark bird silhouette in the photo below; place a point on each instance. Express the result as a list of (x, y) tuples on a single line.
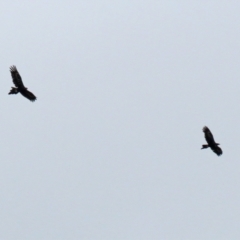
[(17, 80), (211, 143)]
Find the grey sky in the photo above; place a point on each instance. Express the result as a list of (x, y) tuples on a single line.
[(111, 148)]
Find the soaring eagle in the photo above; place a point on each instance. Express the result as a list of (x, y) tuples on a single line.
[(211, 143), (17, 80)]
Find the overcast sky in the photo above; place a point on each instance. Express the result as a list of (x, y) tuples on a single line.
[(111, 148)]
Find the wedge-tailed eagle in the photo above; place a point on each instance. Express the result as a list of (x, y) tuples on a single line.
[(211, 143), (17, 80)]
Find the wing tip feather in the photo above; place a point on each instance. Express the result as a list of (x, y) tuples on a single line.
[(13, 68), (205, 128)]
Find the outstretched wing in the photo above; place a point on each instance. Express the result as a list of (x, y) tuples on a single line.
[(208, 136), (17, 80), (27, 94), (217, 150)]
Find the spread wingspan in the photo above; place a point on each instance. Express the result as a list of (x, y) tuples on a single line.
[(211, 142), (17, 80)]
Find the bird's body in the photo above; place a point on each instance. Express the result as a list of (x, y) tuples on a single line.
[(211, 142), (17, 80)]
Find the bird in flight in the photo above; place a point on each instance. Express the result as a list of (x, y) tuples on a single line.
[(211, 143), (17, 80)]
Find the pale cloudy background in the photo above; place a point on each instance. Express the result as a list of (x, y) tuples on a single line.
[(111, 148)]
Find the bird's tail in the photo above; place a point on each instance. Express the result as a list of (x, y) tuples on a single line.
[(13, 91), (204, 146)]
